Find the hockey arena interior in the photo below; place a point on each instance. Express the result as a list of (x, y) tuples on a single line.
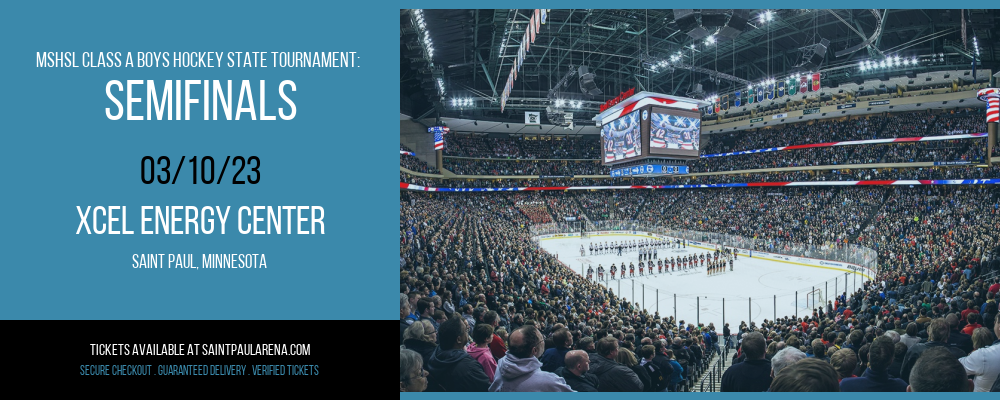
[(699, 200)]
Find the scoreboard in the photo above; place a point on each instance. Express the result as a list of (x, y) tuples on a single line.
[(647, 127)]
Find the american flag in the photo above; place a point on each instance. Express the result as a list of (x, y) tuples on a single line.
[(438, 141)]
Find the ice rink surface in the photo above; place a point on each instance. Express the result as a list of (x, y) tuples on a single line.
[(756, 289)]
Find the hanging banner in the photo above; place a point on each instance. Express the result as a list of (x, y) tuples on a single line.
[(792, 87), (770, 91), (545, 15), (716, 108), (736, 100), (803, 87), (750, 96), (532, 118), (760, 94), (816, 82), (781, 89), (538, 24)]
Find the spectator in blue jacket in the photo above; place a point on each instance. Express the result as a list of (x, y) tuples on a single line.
[(555, 357), (677, 375)]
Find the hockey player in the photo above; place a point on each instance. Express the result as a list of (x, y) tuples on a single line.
[(641, 266), (582, 252), (730, 265), (614, 270), (623, 271), (592, 249), (620, 249), (600, 272), (590, 273), (650, 266), (659, 266), (654, 253)]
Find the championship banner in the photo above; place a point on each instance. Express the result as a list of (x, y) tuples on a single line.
[(174, 191)]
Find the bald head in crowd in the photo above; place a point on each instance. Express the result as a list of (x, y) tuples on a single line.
[(577, 362), (526, 342)]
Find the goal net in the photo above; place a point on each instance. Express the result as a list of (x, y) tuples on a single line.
[(815, 299)]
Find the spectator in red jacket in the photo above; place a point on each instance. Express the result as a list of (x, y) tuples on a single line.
[(497, 347), (973, 318)]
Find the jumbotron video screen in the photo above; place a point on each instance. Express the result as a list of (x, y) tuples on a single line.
[(622, 138), (674, 132)]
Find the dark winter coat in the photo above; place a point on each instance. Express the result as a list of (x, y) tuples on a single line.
[(614, 377), (914, 353), (455, 371), (587, 382), (747, 376), (425, 349)]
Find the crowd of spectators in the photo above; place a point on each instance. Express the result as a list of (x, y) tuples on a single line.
[(968, 150), (413, 163), (926, 173), (524, 167), (518, 156), (482, 307), (519, 148)]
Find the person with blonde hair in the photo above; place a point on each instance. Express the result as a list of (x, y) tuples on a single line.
[(627, 358), (421, 337), (984, 362)]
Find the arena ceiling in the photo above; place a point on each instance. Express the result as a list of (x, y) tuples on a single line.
[(653, 50)]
